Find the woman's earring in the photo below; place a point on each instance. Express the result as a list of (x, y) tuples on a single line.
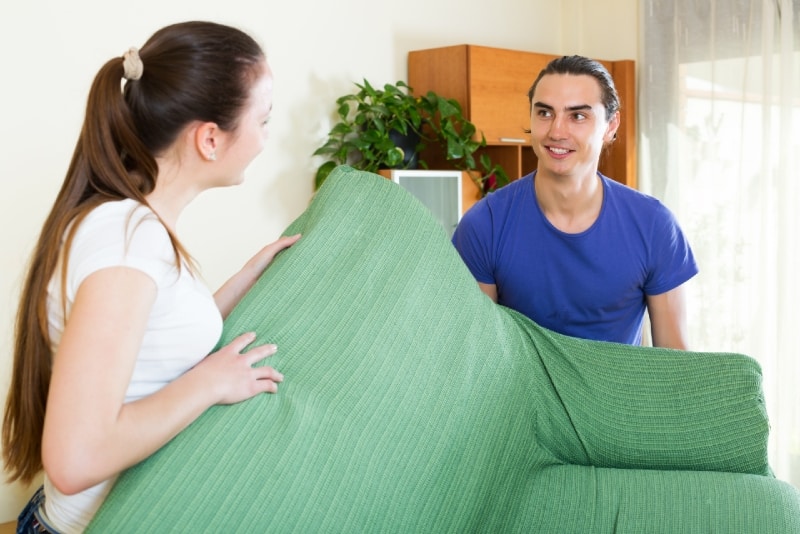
[(212, 156)]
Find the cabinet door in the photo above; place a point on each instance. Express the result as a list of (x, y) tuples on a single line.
[(498, 82)]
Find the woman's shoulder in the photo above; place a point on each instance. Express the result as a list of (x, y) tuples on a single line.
[(121, 228), (117, 211), (121, 219)]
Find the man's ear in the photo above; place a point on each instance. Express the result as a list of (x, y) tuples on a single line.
[(611, 130), (206, 140)]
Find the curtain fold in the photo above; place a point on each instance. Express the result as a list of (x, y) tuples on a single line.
[(719, 124)]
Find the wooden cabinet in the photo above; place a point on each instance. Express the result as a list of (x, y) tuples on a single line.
[(492, 84)]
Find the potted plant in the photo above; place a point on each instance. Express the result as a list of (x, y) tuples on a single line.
[(388, 129)]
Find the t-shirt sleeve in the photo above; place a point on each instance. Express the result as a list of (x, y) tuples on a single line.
[(119, 235), (473, 241), (672, 262)]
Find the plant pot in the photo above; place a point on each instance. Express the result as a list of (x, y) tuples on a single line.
[(408, 144)]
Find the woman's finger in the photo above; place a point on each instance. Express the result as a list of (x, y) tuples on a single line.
[(256, 354), (268, 373), (241, 341)]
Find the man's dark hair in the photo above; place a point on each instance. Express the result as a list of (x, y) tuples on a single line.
[(579, 65)]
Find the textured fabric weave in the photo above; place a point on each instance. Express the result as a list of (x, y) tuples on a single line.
[(412, 403)]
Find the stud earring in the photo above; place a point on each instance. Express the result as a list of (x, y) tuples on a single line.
[(212, 156)]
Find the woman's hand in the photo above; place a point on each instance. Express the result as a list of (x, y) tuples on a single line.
[(232, 291), (232, 374), (90, 432), (264, 257)]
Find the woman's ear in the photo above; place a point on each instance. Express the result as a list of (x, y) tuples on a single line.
[(206, 140)]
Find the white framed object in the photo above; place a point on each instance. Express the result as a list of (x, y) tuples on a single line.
[(439, 191)]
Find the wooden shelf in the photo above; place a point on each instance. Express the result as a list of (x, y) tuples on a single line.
[(491, 84)]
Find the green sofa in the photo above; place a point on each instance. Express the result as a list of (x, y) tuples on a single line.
[(412, 403)]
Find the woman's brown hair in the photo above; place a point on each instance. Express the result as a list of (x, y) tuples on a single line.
[(192, 71)]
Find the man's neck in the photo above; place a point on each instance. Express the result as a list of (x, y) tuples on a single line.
[(571, 203)]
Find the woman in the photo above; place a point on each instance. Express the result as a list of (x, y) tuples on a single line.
[(114, 327)]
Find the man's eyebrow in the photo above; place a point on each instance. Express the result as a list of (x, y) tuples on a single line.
[(581, 107)]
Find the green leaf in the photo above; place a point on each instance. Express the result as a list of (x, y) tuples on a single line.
[(331, 146), (448, 108), (344, 110), (322, 173), (364, 142), (454, 150), (394, 157), (341, 129)]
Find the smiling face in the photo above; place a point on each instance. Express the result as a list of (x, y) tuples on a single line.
[(569, 126)]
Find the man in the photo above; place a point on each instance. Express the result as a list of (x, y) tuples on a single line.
[(570, 248)]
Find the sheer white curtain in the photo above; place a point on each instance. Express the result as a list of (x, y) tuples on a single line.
[(719, 122)]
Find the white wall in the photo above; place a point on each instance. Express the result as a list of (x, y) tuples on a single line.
[(50, 51), (605, 29)]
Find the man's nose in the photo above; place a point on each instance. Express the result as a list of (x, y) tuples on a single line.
[(558, 127)]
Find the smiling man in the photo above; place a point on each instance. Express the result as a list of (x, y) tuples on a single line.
[(570, 248)]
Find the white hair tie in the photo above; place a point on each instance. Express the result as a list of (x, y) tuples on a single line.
[(132, 64)]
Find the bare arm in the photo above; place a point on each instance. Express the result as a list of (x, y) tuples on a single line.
[(490, 290), (90, 434), (668, 319), (232, 291)]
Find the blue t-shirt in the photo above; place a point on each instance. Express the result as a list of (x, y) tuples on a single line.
[(591, 284)]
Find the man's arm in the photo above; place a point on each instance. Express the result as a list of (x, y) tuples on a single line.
[(668, 319), (490, 290)]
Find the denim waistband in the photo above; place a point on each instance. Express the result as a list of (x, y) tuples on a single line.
[(30, 519)]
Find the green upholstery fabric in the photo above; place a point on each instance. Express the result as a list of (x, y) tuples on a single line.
[(412, 403)]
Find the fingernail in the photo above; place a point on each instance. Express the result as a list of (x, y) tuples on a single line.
[(278, 377)]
